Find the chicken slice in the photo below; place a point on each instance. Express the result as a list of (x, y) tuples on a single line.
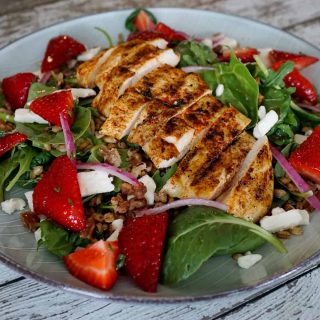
[(88, 71), (182, 132), (215, 178), (251, 192), (117, 80), (207, 151)]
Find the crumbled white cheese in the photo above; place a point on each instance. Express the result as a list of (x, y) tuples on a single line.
[(300, 138), (37, 235), (265, 124), (151, 188), (219, 90), (93, 182), (285, 220), (207, 42), (89, 54), (309, 132), (277, 210), (262, 112), (248, 260), (29, 197), (12, 205), (82, 93), (28, 116), (264, 56), (117, 227)]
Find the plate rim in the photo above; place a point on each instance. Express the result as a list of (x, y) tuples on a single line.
[(263, 286)]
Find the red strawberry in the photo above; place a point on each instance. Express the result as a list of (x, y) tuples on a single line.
[(50, 106), (16, 88), (143, 22), (57, 195), (300, 60), (171, 34), (306, 158), (141, 240), (95, 264), (245, 55), (59, 51), (9, 141), (305, 90), (146, 35)]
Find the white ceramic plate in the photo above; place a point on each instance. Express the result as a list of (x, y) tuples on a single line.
[(220, 275)]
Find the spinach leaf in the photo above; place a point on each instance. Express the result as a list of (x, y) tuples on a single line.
[(39, 90), (41, 159), (129, 24), (275, 78), (6, 169), (39, 135), (199, 233), (160, 178), (195, 53), (305, 115), (58, 240), (240, 88)]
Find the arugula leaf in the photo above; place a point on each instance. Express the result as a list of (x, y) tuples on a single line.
[(39, 90), (313, 117), (39, 136), (129, 24), (6, 117), (275, 78), (160, 179), (58, 240), (199, 233), (240, 88), (44, 157), (107, 36), (195, 53)]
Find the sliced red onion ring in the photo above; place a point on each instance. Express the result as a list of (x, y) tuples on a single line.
[(123, 175), (295, 177), (183, 203), (45, 77), (315, 108), (68, 137), (196, 68)]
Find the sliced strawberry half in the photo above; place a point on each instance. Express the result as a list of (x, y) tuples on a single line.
[(57, 195), (9, 141), (300, 60), (16, 88), (59, 51), (50, 106), (141, 240), (146, 35), (245, 55), (306, 158), (95, 264), (143, 22), (169, 33), (305, 91)]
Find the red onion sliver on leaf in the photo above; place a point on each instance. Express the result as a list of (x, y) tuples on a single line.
[(121, 174), (68, 137), (45, 77), (183, 203), (315, 108), (295, 177), (196, 68)]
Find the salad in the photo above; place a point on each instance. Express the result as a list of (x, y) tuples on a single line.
[(153, 155)]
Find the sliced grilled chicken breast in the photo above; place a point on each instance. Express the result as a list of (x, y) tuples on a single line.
[(182, 131), (186, 182), (251, 191), (120, 78), (88, 71)]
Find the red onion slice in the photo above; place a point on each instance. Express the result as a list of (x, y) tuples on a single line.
[(68, 137), (315, 108), (295, 177), (121, 174), (190, 69), (45, 77), (183, 203)]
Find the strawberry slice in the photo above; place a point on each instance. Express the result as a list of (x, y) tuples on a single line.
[(305, 91), (143, 22), (59, 51), (141, 240), (245, 55), (170, 34), (300, 60), (50, 106), (57, 195), (16, 88), (146, 35), (95, 264), (9, 141)]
